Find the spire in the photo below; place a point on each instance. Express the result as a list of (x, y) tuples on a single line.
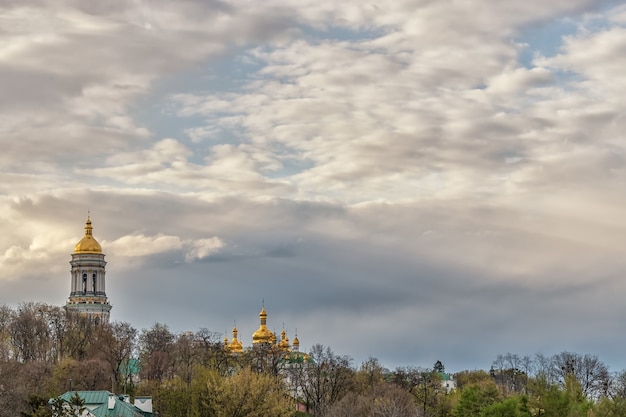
[(296, 342)]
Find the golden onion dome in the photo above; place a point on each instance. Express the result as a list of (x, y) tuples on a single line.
[(296, 343), (263, 334), (235, 345), (88, 244), (284, 340)]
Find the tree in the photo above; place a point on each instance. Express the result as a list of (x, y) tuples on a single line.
[(210, 353), (555, 400), (79, 334), (510, 407), (29, 333), (475, 398), (87, 375), (74, 407), (247, 393), (587, 370), (467, 378), (6, 348), (611, 407), (427, 393), (155, 352), (408, 378), (37, 407), (383, 400), (117, 343), (325, 380), (370, 374)]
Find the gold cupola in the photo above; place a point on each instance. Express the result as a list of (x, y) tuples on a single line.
[(235, 345), (88, 244), (263, 334), (284, 340), (296, 342)]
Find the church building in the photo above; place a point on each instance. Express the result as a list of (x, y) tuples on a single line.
[(263, 336), (87, 294)]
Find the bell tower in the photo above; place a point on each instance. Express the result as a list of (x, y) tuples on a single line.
[(87, 294)]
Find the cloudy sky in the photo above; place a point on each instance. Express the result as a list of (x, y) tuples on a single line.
[(411, 180)]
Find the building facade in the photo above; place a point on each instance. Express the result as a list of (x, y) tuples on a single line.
[(88, 294)]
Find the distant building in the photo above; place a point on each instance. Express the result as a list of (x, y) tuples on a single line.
[(107, 404), (87, 294), (264, 336), (447, 382)]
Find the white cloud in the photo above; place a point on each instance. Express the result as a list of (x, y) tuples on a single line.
[(141, 245), (201, 248)]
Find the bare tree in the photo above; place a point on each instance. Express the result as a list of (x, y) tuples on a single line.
[(383, 400), (589, 372), (117, 342), (29, 333), (155, 351), (209, 349), (326, 380)]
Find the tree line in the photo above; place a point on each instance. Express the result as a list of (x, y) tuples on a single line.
[(46, 350)]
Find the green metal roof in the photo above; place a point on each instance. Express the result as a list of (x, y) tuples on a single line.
[(444, 376), (97, 402)]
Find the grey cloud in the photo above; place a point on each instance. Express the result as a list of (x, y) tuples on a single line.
[(403, 233), (459, 293)]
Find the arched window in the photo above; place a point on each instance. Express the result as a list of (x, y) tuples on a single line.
[(94, 282), (84, 283)]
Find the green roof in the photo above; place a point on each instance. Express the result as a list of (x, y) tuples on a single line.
[(444, 376), (97, 402)]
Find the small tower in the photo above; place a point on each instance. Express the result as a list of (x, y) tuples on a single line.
[(235, 344), (263, 334), (284, 340), (87, 294)]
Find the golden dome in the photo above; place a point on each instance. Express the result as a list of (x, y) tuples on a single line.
[(296, 343), (263, 334), (88, 244), (235, 345), (284, 340)]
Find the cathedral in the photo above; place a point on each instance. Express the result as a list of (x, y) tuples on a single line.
[(87, 295), (265, 337)]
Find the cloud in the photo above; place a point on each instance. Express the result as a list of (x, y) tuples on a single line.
[(203, 248), (140, 245), (396, 169)]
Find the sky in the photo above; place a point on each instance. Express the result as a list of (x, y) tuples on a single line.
[(413, 180)]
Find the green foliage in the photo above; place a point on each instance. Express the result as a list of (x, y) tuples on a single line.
[(511, 407), (466, 378), (475, 398), (248, 393), (552, 400), (615, 407), (75, 407), (37, 407), (370, 374)]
